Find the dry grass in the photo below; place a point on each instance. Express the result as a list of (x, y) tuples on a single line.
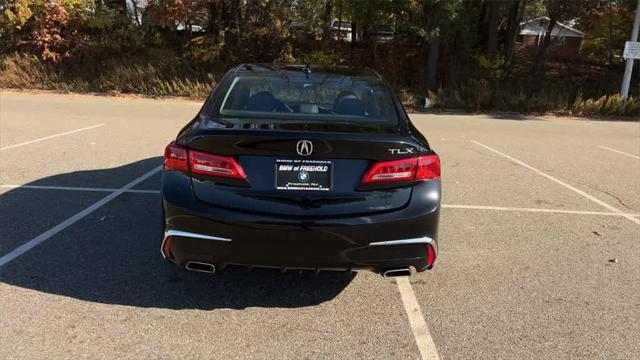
[(19, 71), (552, 97), (165, 76), (27, 71), (149, 80), (607, 105)]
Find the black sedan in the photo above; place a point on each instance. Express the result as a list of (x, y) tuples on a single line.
[(301, 167)]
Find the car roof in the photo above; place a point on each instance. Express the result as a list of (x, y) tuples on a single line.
[(298, 70)]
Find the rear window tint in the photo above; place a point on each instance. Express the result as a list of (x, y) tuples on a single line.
[(321, 98)]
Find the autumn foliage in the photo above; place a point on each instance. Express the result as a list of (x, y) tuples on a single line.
[(458, 53)]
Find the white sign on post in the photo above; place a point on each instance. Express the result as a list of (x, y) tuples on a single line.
[(631, 50)]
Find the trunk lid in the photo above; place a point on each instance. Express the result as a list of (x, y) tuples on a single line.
[(271, 160)]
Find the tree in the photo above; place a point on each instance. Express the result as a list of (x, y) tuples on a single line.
[(120, 6), (492, 28), (516, 11), (557, 10), (15, 16), (608, 29), (438, 18), (326, 18)]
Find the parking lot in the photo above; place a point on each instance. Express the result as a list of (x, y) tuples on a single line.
[(539, 246)]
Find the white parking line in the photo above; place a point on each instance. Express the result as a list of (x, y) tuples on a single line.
[(426, 345), (75, 188), (446, 206), (556, 180), (51, 137), (72, 220), (619, 152), (539, 210)]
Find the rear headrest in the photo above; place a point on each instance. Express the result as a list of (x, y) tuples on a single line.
[(262, 101), (347, 103)]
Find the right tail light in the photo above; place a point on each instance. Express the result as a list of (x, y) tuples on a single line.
[(425, 167), (431, 255)]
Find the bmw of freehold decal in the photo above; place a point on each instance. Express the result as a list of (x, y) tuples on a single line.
[(297, 174)]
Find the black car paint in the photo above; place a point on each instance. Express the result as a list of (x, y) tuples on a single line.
[(257, 153), (329, 242), (301, 229)]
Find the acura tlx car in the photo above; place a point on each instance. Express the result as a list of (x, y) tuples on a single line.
[(301, 167)]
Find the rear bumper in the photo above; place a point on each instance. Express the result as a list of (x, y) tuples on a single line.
[(199, 232)]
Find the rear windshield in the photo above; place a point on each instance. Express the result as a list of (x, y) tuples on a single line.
[(317, 99)]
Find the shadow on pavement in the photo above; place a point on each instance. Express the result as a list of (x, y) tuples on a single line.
[(112, 256)]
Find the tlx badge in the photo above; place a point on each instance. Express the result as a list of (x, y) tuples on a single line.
[(401, 151)]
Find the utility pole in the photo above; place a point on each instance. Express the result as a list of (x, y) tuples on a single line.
[(627, 70)]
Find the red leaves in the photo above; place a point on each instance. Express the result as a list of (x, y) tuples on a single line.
[(48, 33)]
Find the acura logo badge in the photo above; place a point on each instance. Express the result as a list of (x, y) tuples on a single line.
[(304, 147)]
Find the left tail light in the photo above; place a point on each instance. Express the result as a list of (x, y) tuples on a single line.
[(180, 159), (216, 165)]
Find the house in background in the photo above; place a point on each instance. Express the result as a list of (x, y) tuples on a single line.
[(565, 40), (341, 30)]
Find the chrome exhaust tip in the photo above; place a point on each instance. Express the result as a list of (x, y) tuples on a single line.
[(200, 267), (391, 273)]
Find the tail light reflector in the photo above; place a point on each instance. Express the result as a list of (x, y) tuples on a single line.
[(425, 167), (175, 158), (166, 247), (431, 255), (216, 165)]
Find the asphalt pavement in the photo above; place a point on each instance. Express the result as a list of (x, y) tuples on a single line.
[(538, 248)]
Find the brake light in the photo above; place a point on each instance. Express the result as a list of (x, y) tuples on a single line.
[(216, 165), (175, 158), (417, 168), (390, 171)]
